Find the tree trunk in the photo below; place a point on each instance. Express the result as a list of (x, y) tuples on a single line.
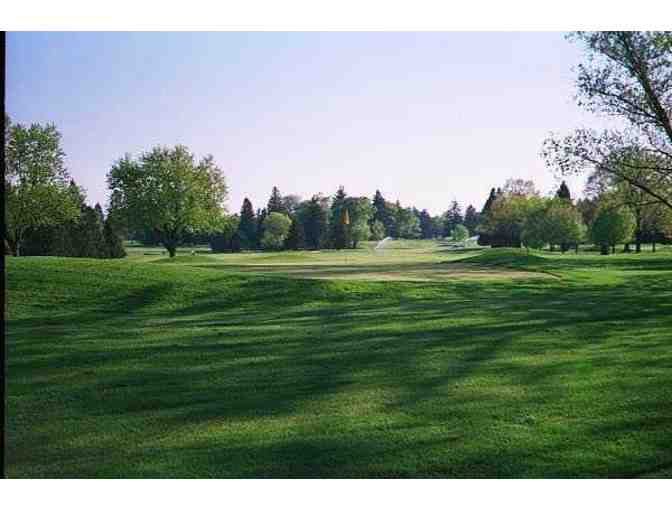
[(626, 248), (576, 248), (604, 249), (613, 249), (653, 246)]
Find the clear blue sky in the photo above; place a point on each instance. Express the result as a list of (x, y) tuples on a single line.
[(424, 117)]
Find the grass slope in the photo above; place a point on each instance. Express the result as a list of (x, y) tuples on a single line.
[(132, 369)]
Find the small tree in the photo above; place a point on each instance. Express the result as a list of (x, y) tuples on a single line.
[(563, 224), (247, 227), (377, 230), (276, 228), (296, 237), (460, 233), (611, 226), (471, 219), (113, 246), (360, 213)]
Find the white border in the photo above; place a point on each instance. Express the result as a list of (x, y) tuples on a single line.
[(337, 15)]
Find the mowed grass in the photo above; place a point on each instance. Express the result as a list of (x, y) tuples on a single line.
[(198, 367)]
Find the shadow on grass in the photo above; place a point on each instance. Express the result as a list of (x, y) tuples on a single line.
[(462, 379)]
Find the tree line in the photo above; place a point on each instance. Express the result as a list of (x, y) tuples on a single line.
[(610, 214), (167, 196), (337, 222)]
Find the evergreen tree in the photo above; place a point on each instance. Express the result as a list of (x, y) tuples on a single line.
[(452, 218), (382, 213), (426, 226), (339, 231), (296, 238), (471, 219), (99, 212), (314, 218), (563, 192), (276, 202), (88, 235), (247, 228), (484, 238), (262, 214), (113, 247)]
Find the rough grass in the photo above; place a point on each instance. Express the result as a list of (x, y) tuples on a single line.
[(141, 369)]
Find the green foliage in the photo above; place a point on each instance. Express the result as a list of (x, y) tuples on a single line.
[(471, 219), (451, 218), (339, 232), (247, 226), (426, 225), (36, 182), (460, 233), (226, 237), (276, 228), (276, 202), (552, 221), (167, 191), (313, 215), (611, 226), (296, 238), (360, 212), (377, 231), (507, 215), (113, 246), (382, 214)]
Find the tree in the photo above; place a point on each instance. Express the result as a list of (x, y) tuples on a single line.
[(520, 187), (296, 238), (471, 219), (247, 227), (226, 237), (452, 218), (276, 203), (276, 228), (563, 192), (460, 233), (562, 224), (88, 240), (506, 218), (167, 191), (627, 75), (113, 247), (360, 213), (612, 225), (36, 190), (382, 213), (484, 237), (340, 232), (314, 217), (291, 203), (377, 230), (426, 225), (261, 217), (407, 223)]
